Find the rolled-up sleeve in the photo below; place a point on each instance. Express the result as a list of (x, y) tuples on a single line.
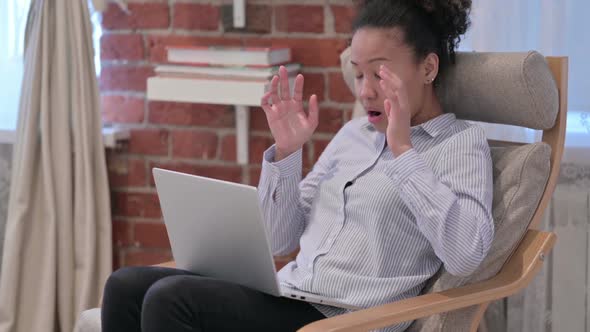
[(277, 190), (285, 199)]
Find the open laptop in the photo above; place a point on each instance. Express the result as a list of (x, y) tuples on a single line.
[(216, 230)]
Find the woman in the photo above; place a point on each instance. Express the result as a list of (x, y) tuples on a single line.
[(395, 195)]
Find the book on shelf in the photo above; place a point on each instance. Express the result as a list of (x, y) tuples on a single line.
[(206, 90), (227, 72), (229, 56)]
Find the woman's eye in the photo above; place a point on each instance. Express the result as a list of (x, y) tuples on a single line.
[(358, 77), (377, 76)]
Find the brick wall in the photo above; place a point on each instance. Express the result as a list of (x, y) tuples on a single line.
[(195, 138)]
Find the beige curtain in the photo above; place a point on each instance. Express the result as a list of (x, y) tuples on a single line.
[(57, 251)]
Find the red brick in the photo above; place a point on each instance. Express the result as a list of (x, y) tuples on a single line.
[(314, 52), (343, 18), (339, 91), (122, 109), (313, 83), (129, 78), (151, 235), (157, 44), (194, 144), (258, 18), (257, 146), (146, 257), (122, 233), (194, 16), (190, 114), (149, 141), (258, 119), (227, 173), (330, 120), (254, 176), (122, 47), (299, 18), (117, 253), (228, 148), (318, 147), (144, 205), (126, 172), (140, 16)]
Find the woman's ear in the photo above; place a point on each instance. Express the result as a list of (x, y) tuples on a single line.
[(430, 63)]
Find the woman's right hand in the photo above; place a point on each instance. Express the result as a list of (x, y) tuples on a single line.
[(289, 124)]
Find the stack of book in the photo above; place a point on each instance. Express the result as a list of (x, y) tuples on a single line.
[(221, 75)]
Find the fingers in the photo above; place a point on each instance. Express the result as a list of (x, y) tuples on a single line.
[(402, 99), (285, 94), (388, 90), (389, 82), (394, 89), (265, 102), (391, 110), (314, 111), (387, 108), (388, 75), (400, 88), (274, 89), (298, 91), (391, 95)]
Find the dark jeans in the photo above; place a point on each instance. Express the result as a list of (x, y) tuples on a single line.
[(161, 299)]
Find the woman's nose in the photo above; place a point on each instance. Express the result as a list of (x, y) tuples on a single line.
[(368, 91)]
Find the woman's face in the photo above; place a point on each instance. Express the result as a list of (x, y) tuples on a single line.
[(373, 47)]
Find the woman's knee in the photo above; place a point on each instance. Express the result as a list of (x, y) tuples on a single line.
[(125, 282), (172, 291), (165, 291)]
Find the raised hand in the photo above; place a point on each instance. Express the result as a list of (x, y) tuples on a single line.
[(398, 112), (289, 124)]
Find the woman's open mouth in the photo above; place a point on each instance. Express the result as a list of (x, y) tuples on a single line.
[(374, 116)]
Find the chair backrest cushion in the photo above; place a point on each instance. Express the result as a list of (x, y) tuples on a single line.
[(520, 177), (507, 88)]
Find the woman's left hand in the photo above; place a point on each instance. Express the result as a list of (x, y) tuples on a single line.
[(397, 109)]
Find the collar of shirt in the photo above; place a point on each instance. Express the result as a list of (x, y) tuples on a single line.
[(432, 127)]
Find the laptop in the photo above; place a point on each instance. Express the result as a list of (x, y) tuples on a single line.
[(216, 230)]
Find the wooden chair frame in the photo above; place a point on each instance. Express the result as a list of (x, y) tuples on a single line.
[(515, 275)]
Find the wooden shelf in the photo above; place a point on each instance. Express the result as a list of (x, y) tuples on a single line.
[(111, 136)]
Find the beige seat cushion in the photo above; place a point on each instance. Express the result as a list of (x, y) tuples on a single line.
[(89, 321), (520, 176)]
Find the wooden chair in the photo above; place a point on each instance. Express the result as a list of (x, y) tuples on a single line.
[(509, 84), (515, 274)]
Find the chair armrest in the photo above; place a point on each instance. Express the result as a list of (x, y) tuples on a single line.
[(522, 266)]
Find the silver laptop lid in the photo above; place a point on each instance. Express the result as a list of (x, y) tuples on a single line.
[(215, 229)]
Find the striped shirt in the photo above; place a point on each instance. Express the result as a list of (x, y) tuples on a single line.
[(372, 228)]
